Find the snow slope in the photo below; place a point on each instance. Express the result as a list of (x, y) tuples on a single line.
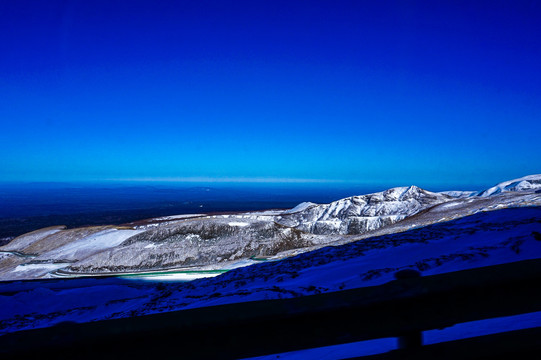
[(55, 249), (203, 242), (21, 243), (359, 214), (482, 239), (530, 182)]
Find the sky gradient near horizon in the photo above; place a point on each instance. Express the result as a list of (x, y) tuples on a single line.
[(394, 92)]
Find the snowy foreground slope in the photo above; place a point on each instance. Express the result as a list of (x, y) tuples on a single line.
[(209, 243), (482, 239)]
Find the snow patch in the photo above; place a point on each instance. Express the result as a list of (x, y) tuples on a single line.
[(301, 207), (530, 182), (40, 267), (240, 224), (82, 248), (177, 217)]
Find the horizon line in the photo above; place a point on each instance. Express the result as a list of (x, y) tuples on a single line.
[(209, 179), (194, 179), (253, 180)]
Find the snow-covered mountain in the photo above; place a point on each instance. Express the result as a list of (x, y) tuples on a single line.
[(530, 182), (360, 214), (484, 239), (220, 242)]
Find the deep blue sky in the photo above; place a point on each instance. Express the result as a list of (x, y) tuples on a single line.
[(435, 92)]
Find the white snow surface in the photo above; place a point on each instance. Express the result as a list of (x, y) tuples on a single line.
[(92, 244), (40, 267), (177, 217), (301, 207), (237, 223), (405, 227), (483, 239), (200, 241), (458, 193), (25, 240), (360, 214), (530, 182)]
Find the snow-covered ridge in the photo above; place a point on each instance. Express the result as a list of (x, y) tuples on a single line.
[(222, 241), (364, 213), (301, 207), (530, 182), (485, 239), (359, 214), (458, 193)]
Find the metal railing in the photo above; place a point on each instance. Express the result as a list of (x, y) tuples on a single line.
[(402, 308)]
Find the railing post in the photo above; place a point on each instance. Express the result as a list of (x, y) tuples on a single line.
[(410, 340)]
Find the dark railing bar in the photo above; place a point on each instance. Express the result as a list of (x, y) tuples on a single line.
[(399, 308)]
